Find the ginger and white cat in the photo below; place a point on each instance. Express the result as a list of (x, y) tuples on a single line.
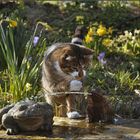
[(64, 68)]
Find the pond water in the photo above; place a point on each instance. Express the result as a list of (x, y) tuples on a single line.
[(65, 128)]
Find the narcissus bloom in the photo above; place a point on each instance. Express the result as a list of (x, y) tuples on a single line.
[(90, 32), (110, 30), (101, 30), (107, 42), (12, 23), (88, 38)]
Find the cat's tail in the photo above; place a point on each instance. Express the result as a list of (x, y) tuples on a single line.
[(79, 35)]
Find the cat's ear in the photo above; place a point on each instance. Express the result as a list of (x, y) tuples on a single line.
[(88, 53)]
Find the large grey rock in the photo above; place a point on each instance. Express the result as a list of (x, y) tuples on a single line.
[(26, 116)]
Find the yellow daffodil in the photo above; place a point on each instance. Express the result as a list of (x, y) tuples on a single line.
[(101, 30), (90, 31), (46, 25), (110, 30), (88, 38), (107, 42), (12, 23)]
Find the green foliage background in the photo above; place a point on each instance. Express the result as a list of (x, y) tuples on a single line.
[(20, 61)]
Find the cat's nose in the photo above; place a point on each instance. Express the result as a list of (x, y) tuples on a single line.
[(81, 74)]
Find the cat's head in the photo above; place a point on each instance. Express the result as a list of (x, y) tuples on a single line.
[(71, 58)]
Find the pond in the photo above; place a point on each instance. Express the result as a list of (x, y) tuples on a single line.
[(65, 128)]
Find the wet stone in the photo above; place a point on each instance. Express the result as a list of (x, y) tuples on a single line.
[(64, 128)]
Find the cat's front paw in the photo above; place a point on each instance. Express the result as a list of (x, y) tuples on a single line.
[(73, 115), (75, 85)]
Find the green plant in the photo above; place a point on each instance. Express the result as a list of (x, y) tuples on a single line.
[(21, 36), (115, 13), (127, 81), (128, 43), (119, 75), (22, 78), (99, 38)]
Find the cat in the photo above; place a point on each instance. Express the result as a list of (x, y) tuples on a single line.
[(63, 70)]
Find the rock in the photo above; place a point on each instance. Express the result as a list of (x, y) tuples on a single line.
[(27, 116)]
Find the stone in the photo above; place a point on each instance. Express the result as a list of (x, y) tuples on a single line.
[(27, 116)]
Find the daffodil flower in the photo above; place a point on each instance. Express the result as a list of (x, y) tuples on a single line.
[(110, 30), (88, 38), (107, 42), (101, 30), (12, 23), (90, 32)]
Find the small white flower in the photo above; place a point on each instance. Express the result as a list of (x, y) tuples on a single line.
[(82, 5), (137, 91), (136, 31), (133, 37), (130, 34), (91, 6), (72, 3), (126, 32), (28, 86)]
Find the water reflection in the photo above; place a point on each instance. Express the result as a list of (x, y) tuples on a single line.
[(65, 128), (68, 128)]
